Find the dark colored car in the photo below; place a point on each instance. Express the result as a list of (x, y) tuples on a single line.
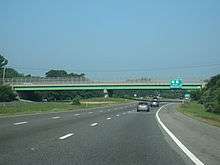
[(143, 106)]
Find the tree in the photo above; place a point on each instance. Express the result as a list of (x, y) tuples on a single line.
[(63, 73), (6, 94), (10, 73), (3, 61), (56, 73), (210, 95)]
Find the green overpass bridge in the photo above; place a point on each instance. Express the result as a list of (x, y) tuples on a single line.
[(63, 84)]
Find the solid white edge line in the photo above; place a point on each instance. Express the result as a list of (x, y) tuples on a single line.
[(19, 123), (93, 124), (65, 136), (174, 138)]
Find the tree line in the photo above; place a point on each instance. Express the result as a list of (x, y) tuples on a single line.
[(7, 94)]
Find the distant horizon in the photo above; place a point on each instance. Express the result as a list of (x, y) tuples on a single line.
[(133, 74)]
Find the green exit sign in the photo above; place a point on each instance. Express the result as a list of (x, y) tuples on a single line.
[(176, 84)]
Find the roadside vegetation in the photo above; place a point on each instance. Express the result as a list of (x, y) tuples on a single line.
[(206, 103), (17, 107), (198, 111), (6, 94), (209, 97)]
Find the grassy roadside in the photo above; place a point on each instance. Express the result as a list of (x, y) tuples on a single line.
[(197, 111), (36, 107)]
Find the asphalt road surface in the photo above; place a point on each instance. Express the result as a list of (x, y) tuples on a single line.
[(117, 135)]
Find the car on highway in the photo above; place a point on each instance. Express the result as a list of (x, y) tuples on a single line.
[(155, 102), (143, 106)]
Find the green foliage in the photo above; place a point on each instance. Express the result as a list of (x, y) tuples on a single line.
[(76, 101), (210, 96), (10, 73), (56, 73), (144, 93), (6, 94), (3, 61), (63, 73), (196, 95), (59, 95)]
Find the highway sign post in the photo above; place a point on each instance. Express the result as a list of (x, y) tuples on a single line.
[(176, 84)]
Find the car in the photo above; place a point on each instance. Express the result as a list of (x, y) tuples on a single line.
[(155, 103), (143, 106), (44, 100)]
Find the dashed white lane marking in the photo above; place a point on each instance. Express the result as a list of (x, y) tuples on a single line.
[(117, 115), (181, 146), (124, 113), (101, 111), (19, 123), (66, 136), (93, 124), (108, 118), (77, 114), (90, 112), (56, 117)]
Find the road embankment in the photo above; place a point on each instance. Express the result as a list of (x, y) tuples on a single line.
[(197, 111)]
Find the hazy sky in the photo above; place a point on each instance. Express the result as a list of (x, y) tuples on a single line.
[(131, 38)]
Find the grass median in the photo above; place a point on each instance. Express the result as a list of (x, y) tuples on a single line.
[(14, 108), (197, 111)]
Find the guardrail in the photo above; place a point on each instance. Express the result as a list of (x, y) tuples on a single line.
[(71, 80)]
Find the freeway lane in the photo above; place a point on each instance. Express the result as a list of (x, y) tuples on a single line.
[(117, 135)]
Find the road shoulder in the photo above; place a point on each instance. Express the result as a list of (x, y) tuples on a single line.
[(200, 138)]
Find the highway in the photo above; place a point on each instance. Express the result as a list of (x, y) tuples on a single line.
[(113, 135)]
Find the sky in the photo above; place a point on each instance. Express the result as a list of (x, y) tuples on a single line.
[(112, 39)]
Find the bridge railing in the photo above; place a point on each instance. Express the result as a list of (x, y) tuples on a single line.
[(28, 81)]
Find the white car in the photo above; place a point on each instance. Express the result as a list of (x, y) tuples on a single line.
[(143, 106)]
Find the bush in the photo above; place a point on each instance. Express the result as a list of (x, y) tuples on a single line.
[(6, 94), (76, 101), (210, 95)]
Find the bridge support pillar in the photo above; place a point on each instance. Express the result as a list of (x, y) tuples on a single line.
[(107, 93)]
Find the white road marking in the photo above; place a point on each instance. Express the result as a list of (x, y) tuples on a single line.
[(90, 112), (56, 117), (174, 138), (124, 113), (117, 115), (65, 136), (32, 149), (93, 124), (101, 111), (108, 118), (109, 110), (77, 114), (19, 123)]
